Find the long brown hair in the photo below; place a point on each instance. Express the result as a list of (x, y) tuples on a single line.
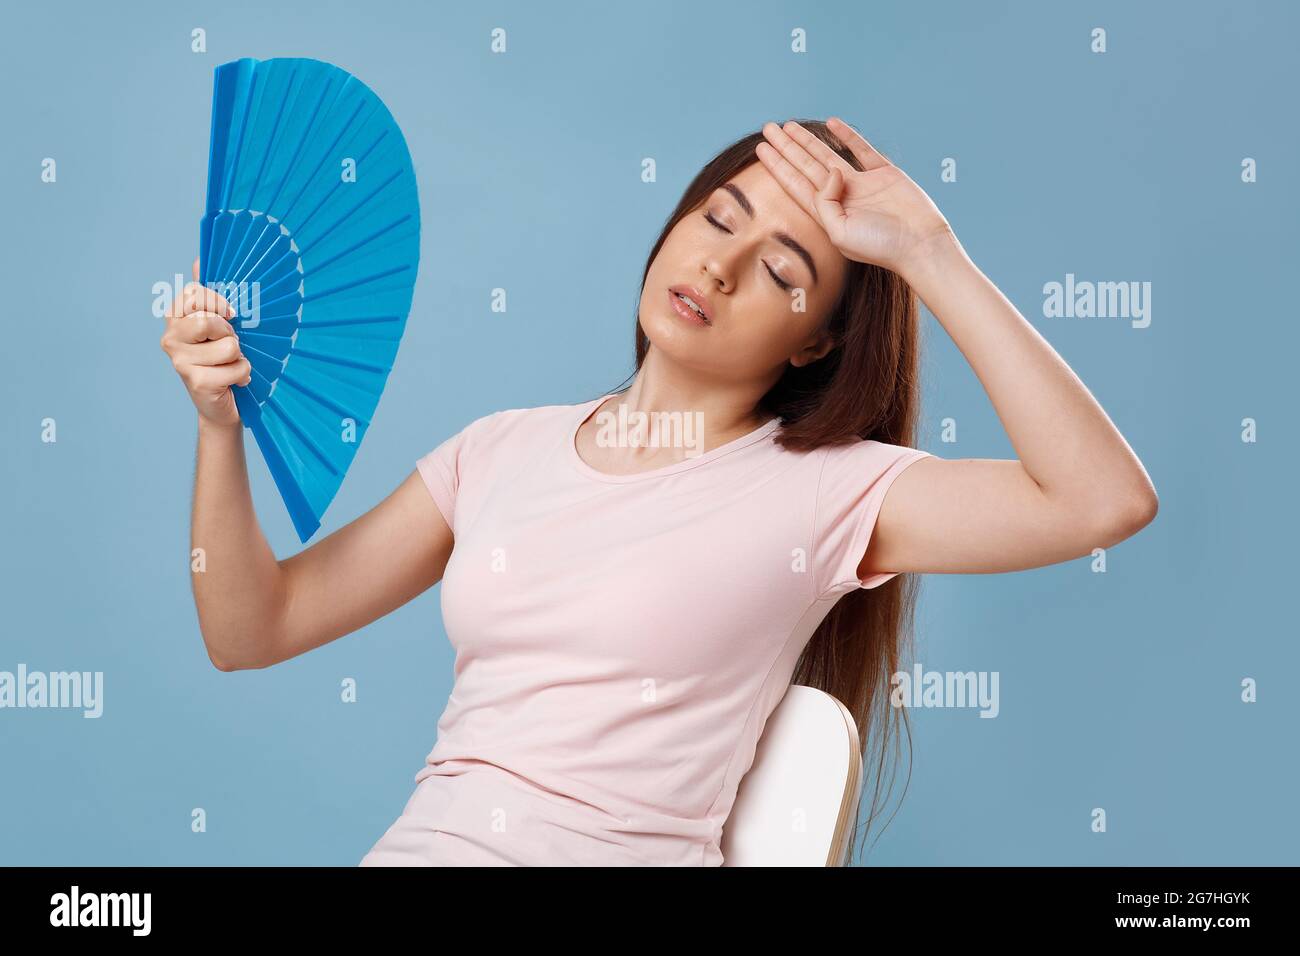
[(866, 387)]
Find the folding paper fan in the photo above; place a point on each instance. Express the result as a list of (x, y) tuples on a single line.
[(312, 231)]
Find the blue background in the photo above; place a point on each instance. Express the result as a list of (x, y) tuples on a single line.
[(1118, 690)]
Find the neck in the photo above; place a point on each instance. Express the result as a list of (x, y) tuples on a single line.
[(728, 410)]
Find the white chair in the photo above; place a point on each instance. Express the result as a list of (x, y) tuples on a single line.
[(796, 804)]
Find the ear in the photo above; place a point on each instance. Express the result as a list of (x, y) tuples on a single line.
[(815, 350)]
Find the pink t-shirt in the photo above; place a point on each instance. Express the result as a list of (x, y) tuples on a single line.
[(621, 639)]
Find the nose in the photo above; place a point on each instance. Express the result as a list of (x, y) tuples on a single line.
[(719, 269)]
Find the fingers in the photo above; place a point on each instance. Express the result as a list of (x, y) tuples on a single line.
[(792, 180), (197, 298), (214, 378), (866, 153), (199, 327), (817, 150), (216, 352), (195, 271), (221, 352), (782, 139)]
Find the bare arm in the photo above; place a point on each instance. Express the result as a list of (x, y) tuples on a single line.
[(1077, 484), (238, 584), (255, 611), (368, 568)]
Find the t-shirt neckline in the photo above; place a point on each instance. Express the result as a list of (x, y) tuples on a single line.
[(585, 411)]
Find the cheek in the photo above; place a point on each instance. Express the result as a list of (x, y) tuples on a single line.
[(676, 248), (762, 334), (781, 322)]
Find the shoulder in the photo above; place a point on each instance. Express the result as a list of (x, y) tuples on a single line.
[(521, 420), (853, 480), (862, 467), (867, 454), (518, 427)]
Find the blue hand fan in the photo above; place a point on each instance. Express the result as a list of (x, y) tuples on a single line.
[(312, 232)]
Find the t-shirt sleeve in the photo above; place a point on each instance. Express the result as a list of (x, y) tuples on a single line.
[(443, 468), (852, 487)]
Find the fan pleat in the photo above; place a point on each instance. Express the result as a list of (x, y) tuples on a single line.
[(375, 354), (280, 260), (278, 84), (274, 346), (313, 179), (319, 428), (324, 401), (353, 284), (266, 240), (268, 366), (304, 448), (282, 290), (310, 472), (302, 134), (365, 241), (359, 321), (351, 387), (240, 226), (259, 386)]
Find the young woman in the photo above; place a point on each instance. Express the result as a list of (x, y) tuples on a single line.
[(627, 611)]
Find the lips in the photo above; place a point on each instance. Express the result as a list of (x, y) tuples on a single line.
[(697, 297)]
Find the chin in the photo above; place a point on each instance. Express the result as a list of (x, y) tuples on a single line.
[(684, 353), (667, 333)]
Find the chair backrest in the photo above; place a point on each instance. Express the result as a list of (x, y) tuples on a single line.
[(795, 805)]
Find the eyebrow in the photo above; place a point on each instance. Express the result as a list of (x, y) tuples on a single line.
[(782, 237)]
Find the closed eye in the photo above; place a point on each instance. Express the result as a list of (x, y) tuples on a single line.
[(785, 286)]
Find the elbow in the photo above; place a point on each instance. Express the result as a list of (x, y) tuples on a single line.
[(220, 661), (229, 648), (1138, 511), (1153, 506), (216, 648), (226, 662), (226, 665), (1143, 510)]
